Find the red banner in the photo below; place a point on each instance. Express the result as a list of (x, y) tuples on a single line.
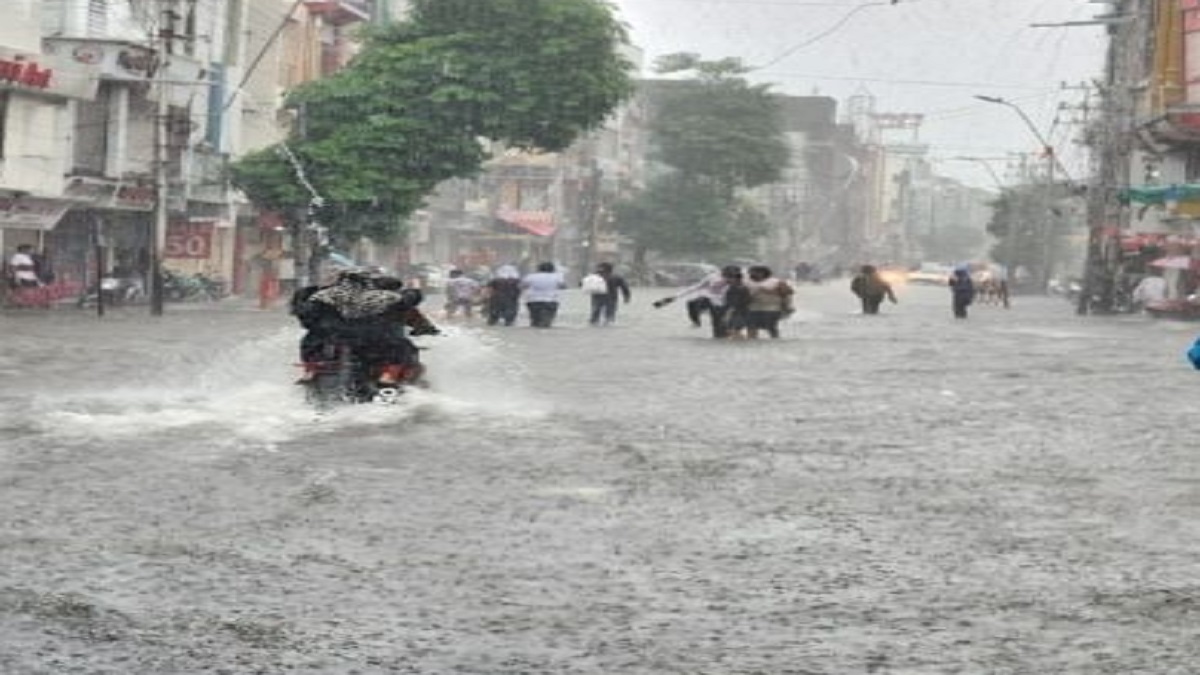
[(191, 241)]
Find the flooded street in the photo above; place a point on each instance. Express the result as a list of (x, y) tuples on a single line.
[(1017, 493)]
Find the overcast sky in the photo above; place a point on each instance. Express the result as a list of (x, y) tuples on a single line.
[(918, 56)]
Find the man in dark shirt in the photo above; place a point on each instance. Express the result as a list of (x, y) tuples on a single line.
[(604, 305)]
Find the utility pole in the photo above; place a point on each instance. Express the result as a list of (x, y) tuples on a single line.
[(592, 217), (1098, 276), (162, 137)]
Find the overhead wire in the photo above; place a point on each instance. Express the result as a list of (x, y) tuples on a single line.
[(262, 53), (837, 26), (889, 80)]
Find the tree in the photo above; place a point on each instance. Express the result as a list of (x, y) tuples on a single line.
[(715, 135), (1018, 219), (416, 105), (681, 216), (718, 127)]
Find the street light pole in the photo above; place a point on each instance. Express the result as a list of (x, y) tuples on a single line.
[(1047, 147), (162, 138), (1052, 163)]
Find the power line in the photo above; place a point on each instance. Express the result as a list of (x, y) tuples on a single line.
[(262, 54), (827, 32), (888, 80)]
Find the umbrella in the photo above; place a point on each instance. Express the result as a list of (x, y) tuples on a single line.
[(1174, 262)]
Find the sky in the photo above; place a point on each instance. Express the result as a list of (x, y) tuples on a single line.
[(916, 56)]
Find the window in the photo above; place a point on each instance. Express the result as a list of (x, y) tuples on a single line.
[(97, 18)]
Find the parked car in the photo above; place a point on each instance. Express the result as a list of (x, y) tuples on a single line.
[(930, 274), (681, 274)]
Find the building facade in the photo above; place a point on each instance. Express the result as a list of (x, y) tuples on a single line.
[(39, 90)]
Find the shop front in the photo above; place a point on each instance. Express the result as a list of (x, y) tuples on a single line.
[(32, 224)]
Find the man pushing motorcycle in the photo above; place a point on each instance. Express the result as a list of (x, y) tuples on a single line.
[(367, 314)]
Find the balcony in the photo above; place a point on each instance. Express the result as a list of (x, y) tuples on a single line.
[(341, 12)]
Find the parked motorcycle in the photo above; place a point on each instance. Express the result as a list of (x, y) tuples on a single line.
[(191, 288), (115, 291)]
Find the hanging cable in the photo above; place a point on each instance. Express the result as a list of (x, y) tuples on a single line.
[(827, 32), (262, 53)]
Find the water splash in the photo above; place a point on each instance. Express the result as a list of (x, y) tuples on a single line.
[(245, 395)]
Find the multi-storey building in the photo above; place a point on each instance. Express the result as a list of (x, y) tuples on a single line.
[(38, 91), (89, 82)]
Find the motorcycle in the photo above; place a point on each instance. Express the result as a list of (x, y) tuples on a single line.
[(115, 292), (346, 376), (194, 288)]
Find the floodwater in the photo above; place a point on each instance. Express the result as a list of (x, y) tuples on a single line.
[(1017, 493)]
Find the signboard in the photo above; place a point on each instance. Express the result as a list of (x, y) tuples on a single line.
[(31, 213), (538, 223), (189, 240), (130, 63), (115, 60), (91, 191), (47, 74), (135, 197)]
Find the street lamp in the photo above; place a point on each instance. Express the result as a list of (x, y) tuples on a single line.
[(1052, 163), (1051, 156)]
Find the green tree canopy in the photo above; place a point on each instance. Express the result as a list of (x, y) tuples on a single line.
[(415, 106), (713, 135), (683, 217), (717, 126)]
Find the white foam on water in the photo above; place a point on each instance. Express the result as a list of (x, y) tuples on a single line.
[(246, 395)]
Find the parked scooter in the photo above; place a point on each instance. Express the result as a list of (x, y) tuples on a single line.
[(191, 288)]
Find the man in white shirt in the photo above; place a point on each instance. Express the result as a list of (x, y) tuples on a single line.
[(461, 293), (541, 295), (707, 296), (24, 272)]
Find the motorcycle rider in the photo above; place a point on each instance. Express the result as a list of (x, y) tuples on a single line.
[(366, 313)]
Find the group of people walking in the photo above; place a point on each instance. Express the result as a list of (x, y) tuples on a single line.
[(872, 289), (541, 290), (738, 305)]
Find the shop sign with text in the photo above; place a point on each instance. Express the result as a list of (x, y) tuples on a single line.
[(47, 74), (191, 240)]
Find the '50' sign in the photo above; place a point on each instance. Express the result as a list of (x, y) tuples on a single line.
[(189, 240)]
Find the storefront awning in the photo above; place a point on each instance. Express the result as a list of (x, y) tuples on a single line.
[(1161, 194), (32, 213), (538, 223)]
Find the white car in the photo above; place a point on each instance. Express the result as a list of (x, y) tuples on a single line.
[(931, 274)]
